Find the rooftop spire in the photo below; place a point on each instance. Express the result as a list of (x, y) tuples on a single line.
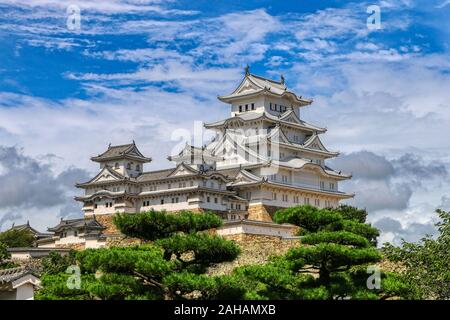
[(247, 70), (282, 79)]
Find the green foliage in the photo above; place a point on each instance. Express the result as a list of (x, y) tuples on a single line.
[(4, 254), (4, 257), (352, 213), (55, 263), (307, 217), (172, 266), (336, 248), (154, 225), (13, 238), (54, 287), (426, 263)]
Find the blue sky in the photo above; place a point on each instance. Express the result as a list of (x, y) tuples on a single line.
[(144, 69)]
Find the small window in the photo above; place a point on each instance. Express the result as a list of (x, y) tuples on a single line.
[(192, 183), (216, 200), (274, 196), (162, 201), (138, 167), (246, 107), (253, 106), (128, 166), (95, 206), (240, 108), (208, 199), (232, 206), (75, 233), (116, 165), (169, 186)]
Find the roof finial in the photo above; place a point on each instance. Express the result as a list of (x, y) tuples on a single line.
[(28, 222), (109, 145), (13, 225), (247, 70), (133, 142), (282, 79)]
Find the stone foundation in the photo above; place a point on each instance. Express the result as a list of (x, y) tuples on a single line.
[(261, 212), (74, 246), (107, 221), (255, 249), (122, 241)]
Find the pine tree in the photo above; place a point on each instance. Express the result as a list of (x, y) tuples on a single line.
[(171, 265), (425, 264), (330, 262)]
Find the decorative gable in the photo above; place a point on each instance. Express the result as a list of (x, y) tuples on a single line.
[(290, 116), (245, 177), (106, 175), (247, 85), (182, 170), (314, 143)]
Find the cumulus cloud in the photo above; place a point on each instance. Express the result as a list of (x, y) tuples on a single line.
[(390, 98), (395, 232), (28, 184), (387, 187)]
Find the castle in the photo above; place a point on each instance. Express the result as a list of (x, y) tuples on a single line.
[(264, 157)]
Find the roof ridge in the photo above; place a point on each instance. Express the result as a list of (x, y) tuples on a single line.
[(161, 170), (123, 145), (267, 79)]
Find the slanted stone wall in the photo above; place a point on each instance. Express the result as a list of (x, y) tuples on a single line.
[(107, 221), (74, 246), (261, 212), (255, 249)]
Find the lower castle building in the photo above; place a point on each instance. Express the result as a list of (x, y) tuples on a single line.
[(264, 157)]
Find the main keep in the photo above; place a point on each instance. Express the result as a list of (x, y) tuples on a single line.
[(264, 157)]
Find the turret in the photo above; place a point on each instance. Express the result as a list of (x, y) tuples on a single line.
[(125, 159)]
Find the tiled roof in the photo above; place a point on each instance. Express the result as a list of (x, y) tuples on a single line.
[(115, 151), (120, 151), (252, 115), (9, 275), (155, 175), (77, 223)]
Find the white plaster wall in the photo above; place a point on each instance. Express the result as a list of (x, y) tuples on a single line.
[(25, 292), (20, 256), (94, 244), (258, 101), (256, 229)]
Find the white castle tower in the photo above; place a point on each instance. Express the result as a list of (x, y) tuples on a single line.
[(263, 158), (281, 159)]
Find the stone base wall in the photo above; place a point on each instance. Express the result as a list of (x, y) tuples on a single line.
[(107, 221), (74, 246), (122, 241), (255, 249), (261, 212)]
